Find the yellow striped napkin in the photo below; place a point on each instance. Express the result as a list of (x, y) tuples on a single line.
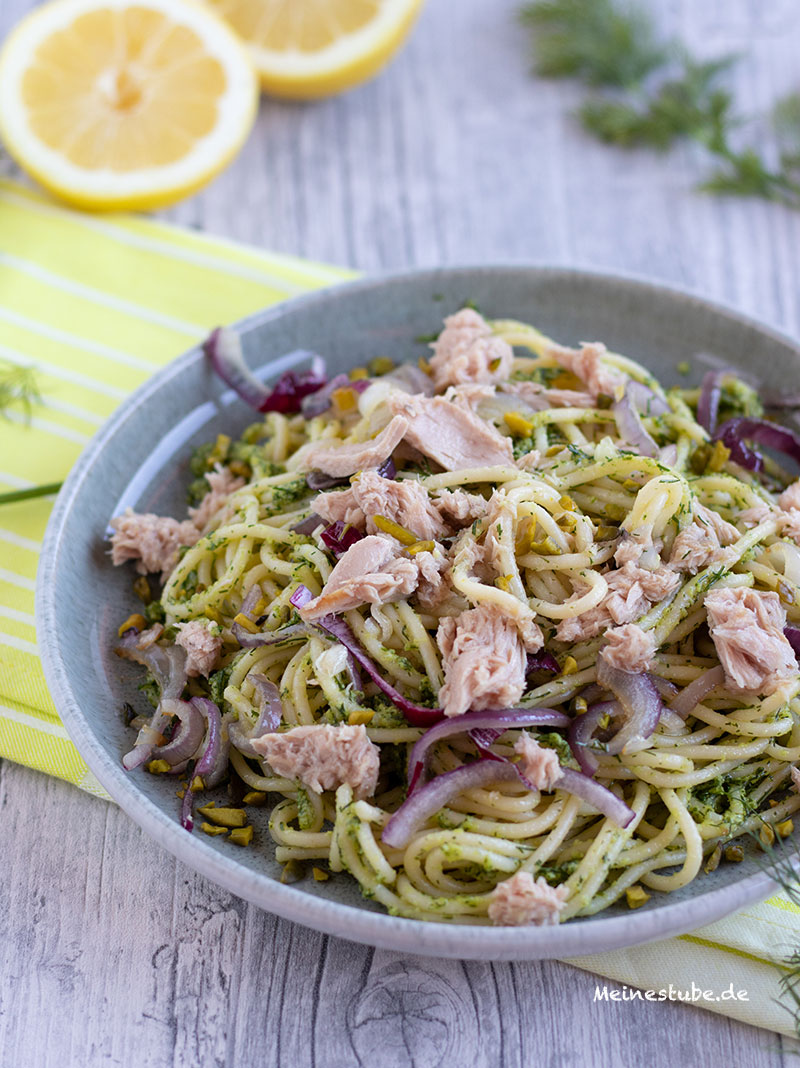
[(98, 304)]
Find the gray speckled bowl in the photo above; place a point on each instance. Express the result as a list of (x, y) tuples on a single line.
[(139, 458)]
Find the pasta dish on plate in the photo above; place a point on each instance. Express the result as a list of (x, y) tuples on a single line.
[(508, 633)]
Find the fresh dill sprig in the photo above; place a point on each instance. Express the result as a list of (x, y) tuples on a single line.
[(45, 490), (18, 389), (599, 41), (657, 94), (782, 864)]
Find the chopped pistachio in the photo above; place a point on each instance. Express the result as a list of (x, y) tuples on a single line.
[(570, 666), (784, 828), (636, 896), (553, 450), (245, 622), (136, 621), (720, 454), (158, 767), (181, 793), (361, 715), (357, 373), (345, 400), (766, 836), (604, 401), (292, 872), (503, 582), (424, 365), (606, 533), (518, 424), (388, 526), (255, 797), (684, 367), (713, 861), (240, 468), (581, 705), (209, 828), (421, 547), (567, 503), (141, 588), (242, 836), (320, 876), (224, 817), (734, 853), (381, 365)]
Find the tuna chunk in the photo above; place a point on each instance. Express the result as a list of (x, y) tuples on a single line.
[(587, 363), (632, 590), (339, 461), (530, 461), (223, 483), (747, 629), (433, 586), (373, 571), (703, 542), (751, 517), (151, 540), (201, 645), (790, 498), (628, 648), (323, 757), (470, 395), (519, 900), (540, 398), (484, 661), (405, 502), (453, 437), (468, 351), (458, 508), (540, 766)]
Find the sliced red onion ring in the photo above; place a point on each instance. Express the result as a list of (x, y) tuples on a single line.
[(320, 400), (224, 350), (542, 661), (269, 717), (187, 736), (417, 715), (792, 635), (308, 525), (387, 469), (691, 696), (736, 433), (302, 595), (213, 761), (430, 799), (296, 633), (645, 400), (640, 701), (631, 429), (708, 403), (252, 597), (581, 733), (340, 536), (318, 480), (410, 378), (168, 668), (488, 725)]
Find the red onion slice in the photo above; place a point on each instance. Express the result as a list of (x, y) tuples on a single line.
[(388, 469), (188, 734), (596, 795), (296, 633), (542, 661), (430, 799), (792, 635), (581, 734), (631, 429), (645, 400), (224, 349), (488, 725), (269, 717), (691, 696), (308, 525), (417, 715), (213, 762), (318, 480), (708, 403), (302, 595), (340, 536), (736, 433), (640, 701)]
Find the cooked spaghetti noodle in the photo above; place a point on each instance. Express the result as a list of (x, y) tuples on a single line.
[(602, 475)]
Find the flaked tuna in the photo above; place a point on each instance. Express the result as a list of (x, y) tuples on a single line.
[(340, 460), (484, 661), (588, 364), (222, 483), (747, 629), (520, 900), (539, 765), (703, 542), (540, 398), (202, 647), (453, 437), (404, 501), (151, 540), (467, 351), (632, 590), (628, 648), (323, 757), (458, 508), (374, 570)]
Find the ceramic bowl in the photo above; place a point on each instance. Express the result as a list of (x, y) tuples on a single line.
[(140, 458)]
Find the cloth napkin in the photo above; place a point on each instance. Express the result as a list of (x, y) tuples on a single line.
[(97, 304)]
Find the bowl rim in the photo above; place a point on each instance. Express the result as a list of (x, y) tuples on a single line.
[(573, 939)]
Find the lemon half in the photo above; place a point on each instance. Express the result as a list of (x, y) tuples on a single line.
[(113, 104), (310, 48)]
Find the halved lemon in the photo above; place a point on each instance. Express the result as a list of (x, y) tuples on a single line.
[(311, 48), (124, 103)]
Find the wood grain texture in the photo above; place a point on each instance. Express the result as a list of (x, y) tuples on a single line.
[(112, 953)]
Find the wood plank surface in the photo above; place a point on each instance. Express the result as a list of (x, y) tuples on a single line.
[(114, 954)]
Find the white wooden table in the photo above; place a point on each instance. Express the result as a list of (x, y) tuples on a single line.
[(114, 954)]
